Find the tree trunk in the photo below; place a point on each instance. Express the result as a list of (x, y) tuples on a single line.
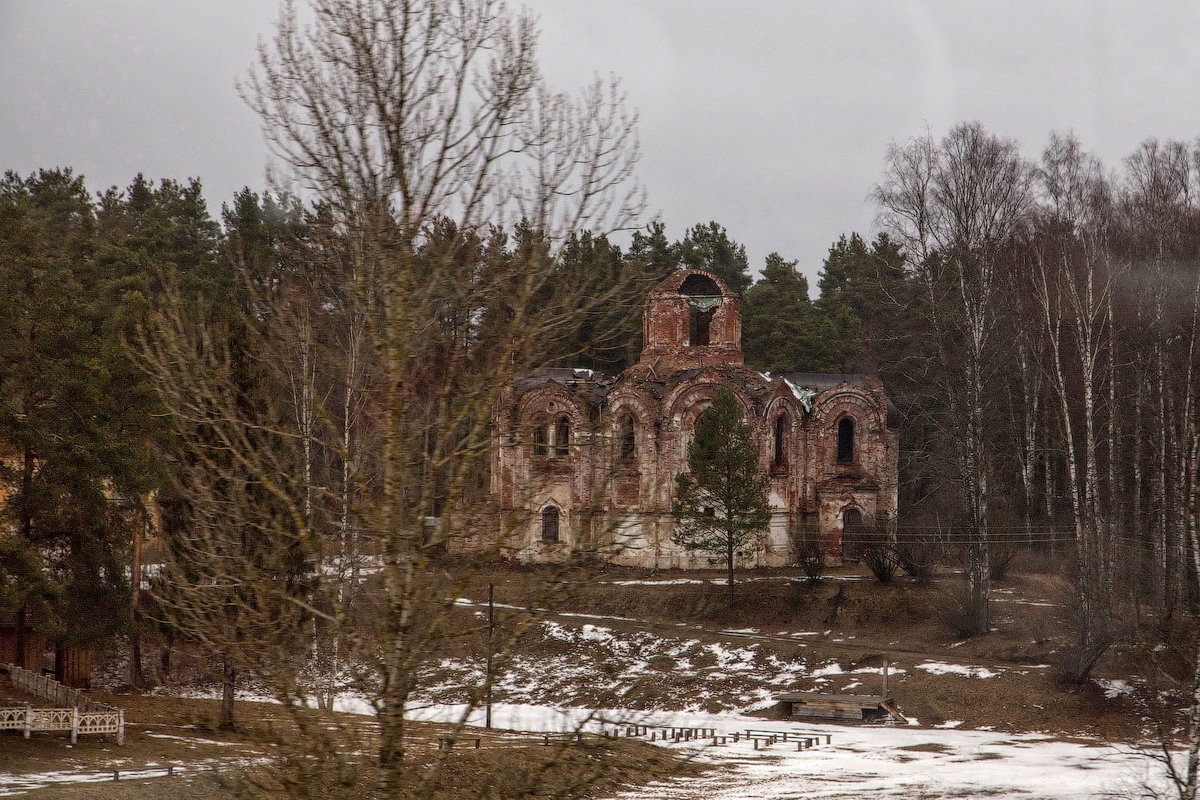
[(228, 682), (137, 673), (729, 566)]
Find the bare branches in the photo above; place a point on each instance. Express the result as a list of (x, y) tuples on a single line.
[(445, 177), (438, 109), (956, 205)]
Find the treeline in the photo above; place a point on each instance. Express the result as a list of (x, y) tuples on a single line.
[(263, 316), (1034, 321), (1049, 378), (848, 328)]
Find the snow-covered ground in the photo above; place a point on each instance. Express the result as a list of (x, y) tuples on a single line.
[(589, 663), (860, 761)]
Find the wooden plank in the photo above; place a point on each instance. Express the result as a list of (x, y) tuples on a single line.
[(890, 708), (869, 699)]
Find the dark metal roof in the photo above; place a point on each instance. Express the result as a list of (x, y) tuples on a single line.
[(823, 380), (567, 376)]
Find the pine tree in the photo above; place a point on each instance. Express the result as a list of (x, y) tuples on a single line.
[(74, 416), (721, 502), (708, 247), (598, 337), (780, 331), (866, 306), (652, 254)]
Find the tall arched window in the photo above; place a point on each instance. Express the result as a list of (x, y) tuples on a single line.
[(541, 439), (700, 327), (550, 524), (562, 436), (704, 297), (845, 441), (780, 455), (626, 439)]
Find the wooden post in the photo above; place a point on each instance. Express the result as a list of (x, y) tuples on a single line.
[(120, 727), (488, 674), (74, 725), (885, 679), (28, 720)]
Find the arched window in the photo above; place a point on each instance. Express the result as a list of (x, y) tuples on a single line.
[(562, 436), (550, 524), (780, 454), (541, 439), (700, 326), (704, 297), (845, 441), (626, 439)]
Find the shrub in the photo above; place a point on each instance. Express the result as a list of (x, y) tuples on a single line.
[(999, 559), (810, 554), (955, 610), (877, 552), (916, 558)]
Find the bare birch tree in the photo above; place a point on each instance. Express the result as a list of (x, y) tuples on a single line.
[(954, 204), (1073, 281)]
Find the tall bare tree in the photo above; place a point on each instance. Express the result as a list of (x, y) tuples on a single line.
[(451, 175), (955, 204), (1073, 280)]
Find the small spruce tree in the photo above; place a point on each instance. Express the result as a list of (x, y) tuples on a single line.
[(721, 502)]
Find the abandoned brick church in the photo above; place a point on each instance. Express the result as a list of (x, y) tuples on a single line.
[(586, 464)]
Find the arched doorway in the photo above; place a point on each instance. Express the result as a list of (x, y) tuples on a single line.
[(854, 534)]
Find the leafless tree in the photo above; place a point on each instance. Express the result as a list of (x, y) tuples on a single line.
[(1073, 280), (955, 204), (449, 174)]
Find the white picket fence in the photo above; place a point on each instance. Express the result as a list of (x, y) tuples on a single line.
[(83, 717)]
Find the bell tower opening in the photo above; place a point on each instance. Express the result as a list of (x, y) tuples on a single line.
[(704, 298), (691, 320)]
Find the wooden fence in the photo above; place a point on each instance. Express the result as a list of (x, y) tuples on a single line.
[(83, 716)]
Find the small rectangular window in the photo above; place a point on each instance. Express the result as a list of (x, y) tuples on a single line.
[(550, 524)]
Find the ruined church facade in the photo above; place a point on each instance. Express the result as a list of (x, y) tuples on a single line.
[(585, 464)]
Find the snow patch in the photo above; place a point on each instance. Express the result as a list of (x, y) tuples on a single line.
[(942, 668)]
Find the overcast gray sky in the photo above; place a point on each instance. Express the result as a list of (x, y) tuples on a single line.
[(770, 117)]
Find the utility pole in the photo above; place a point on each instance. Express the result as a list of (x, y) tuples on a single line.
[(487, 687)]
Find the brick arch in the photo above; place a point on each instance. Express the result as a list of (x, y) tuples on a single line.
[(550, 523), (538, 400), (537, 419), (688, 395), (846, 402), (685, 405), (633, 401), (834, 404)]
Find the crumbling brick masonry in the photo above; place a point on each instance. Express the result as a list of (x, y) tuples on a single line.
[(585, 465)]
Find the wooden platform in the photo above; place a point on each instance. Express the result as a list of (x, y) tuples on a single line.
[(857, 707)]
